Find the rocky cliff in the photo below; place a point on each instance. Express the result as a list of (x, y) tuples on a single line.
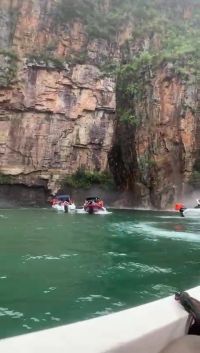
[(81, 86), (157, 151), (56, 115)]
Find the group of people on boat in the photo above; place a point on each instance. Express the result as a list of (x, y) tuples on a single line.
[(62, 203), (66, 204), (93, 204)]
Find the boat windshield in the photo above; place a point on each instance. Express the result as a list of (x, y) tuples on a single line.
[(93, 199), (63, 197)]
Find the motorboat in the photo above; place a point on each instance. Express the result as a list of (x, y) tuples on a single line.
[(63, 203), (94, 205), (189, 212), (148, 328)]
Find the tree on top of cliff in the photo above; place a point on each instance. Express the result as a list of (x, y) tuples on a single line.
[(103, 18)]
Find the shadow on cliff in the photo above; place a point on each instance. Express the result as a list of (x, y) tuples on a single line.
[(22, 196)]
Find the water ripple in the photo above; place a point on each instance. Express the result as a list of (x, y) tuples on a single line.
[(134, 266), (47, 257), (152, 231), (50, 289), (34, 319), (91, 298), (106, 311), (115, 253), (2, 216), (163, 290), (10, 313), (53, 318), (27, 327)]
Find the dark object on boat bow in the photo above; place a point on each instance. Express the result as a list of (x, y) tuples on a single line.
[(95, 199), (192, 306), (66, 208), (181, 210)]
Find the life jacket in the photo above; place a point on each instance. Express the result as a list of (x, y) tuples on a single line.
[(100, 203), (178, 206)]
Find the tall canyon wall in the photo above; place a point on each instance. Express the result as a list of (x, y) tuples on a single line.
[(55, 117), (61, 108)]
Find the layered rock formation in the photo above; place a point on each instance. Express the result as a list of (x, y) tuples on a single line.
[(58, 109), (54, 117), (156, 155)]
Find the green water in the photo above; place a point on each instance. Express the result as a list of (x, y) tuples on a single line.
[(60, 268)]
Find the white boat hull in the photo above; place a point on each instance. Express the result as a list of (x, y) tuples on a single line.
[(97, 212), (61, 208), (72, 208), (191, 212), (144, 329)]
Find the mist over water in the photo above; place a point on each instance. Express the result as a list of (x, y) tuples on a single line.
[(190, 199), (6, 204), (60, 268)]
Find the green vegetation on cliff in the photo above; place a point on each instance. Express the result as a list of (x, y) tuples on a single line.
[(84, 179), (5, 179), (133, 84), (46, 59), (163, 33), (8, 67), (103, 18)]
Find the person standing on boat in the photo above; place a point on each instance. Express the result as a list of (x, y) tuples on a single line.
[(198, 203)]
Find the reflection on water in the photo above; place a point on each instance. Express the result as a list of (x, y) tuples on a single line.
[(179, 227), (61, 268)]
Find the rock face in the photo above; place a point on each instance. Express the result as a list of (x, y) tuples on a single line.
[(57, 122), (156, 156), (52, 120), (59, 110)]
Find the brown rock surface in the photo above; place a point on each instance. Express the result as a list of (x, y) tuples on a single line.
[(163, 144), (57, 108), (52, 121)]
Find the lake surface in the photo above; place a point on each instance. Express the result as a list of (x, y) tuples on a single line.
[(60, 268)]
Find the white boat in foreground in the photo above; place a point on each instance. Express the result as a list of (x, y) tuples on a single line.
[(145, 329), (191, 213)]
